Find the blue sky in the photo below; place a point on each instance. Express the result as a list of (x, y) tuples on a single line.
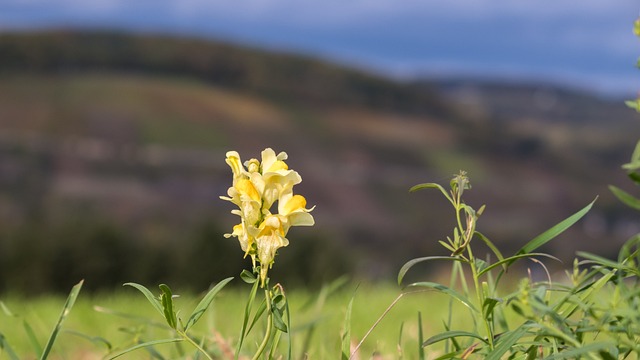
[(585, 43)]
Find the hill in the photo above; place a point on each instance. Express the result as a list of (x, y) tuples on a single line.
[(126, 134)]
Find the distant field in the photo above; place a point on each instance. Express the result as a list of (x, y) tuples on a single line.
[(225, 317)]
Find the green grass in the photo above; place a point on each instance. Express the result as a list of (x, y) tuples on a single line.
[(225, 315)]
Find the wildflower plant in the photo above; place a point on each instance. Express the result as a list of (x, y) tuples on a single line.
[(268, 208)]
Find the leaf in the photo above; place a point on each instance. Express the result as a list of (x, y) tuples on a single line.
[(203, 305), (493, 248), (506, 341), (431, 186), (512, 259), (278, 323), (71, 299), (576, 353), (488, 306), (451, 335), (409, 264), (625, 197), (143, 345), (248, 276), (152, 299), (245, 319), (554, 231), (446, 290), (167, 306), (32, 337), (346, 330), (93, 339)]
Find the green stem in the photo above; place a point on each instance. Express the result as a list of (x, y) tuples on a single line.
[(267, 335), (190, 340), (480, 296)]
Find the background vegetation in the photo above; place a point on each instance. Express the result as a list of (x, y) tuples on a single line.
[(112, 148)]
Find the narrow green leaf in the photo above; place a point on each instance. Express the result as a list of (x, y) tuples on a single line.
[(289, 345), (488, 306), (577, 353), (167, 306), (409, 264), (510, 260), (451, 335), (203, 305), (261, 309), (431, 186), (492, 247), (93, 339), (71, 299), (32, 337), (346, 331), (506, 342), (608, 263), (144, 345), (625, 197), (554, 231), (446, 290), (152, 299), (4, 345), (245, 319)]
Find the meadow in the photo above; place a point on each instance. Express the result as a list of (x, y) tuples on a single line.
[(103, 324)]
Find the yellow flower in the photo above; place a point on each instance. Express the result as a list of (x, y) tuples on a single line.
[(270, 238), (256, 187), (233, 159)]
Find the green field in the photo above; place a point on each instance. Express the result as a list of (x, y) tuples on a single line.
[(116, 316)]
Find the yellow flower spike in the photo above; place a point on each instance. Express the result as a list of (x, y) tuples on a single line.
[(257, 186)]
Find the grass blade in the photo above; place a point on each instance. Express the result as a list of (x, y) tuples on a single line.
[(32, 337), (577, 353), (346, 331), (512, 259), (506, 342), (409, 264), (71, 299), (446, 290), (451, 335), (143, 345), (555, 230)]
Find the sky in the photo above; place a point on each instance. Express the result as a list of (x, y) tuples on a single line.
[(580, 43)]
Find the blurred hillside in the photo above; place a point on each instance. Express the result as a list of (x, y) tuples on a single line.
[(112, 154)]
